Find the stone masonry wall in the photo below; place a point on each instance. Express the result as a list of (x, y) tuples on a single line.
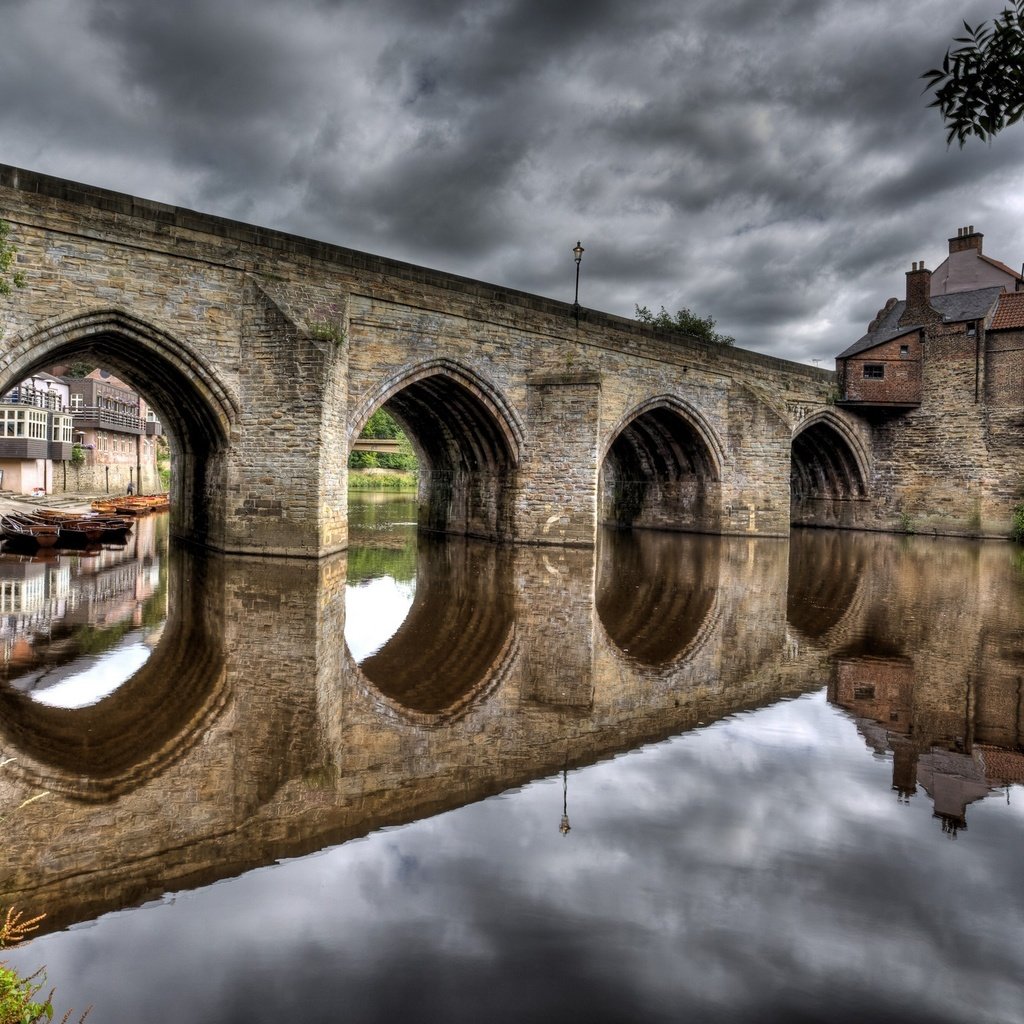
[(263, 352)]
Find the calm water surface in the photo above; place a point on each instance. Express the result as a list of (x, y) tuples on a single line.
[(679, 778)]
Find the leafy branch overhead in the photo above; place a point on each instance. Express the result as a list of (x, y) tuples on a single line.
[(7, 257), (685, 321), (979, 89)]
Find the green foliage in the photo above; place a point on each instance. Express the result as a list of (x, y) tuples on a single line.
[(78, 370), (324, 330), (685, 321), (77, 455), (383, 425), (907, 523), (8, 254), (17, 998), (979, 88), (163, 463), (393, 481), (1018, 523)]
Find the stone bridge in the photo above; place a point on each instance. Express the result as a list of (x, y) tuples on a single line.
[(265, 354)]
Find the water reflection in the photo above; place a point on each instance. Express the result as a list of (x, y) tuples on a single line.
[(103, 687), (652, 603), (253, 735)]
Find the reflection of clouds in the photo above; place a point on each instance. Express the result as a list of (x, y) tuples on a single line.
[(374, 610), (95, 677), (757, 869)]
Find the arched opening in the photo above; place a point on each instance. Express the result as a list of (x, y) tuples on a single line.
[(467, 447), (661, 472), (827, 479), (188, 406)]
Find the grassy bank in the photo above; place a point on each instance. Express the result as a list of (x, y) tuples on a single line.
[(380, 480)]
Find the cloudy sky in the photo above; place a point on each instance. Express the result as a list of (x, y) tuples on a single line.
[(772, 164)]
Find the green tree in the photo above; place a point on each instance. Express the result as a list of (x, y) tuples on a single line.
[(686, 321), (979, 89), (8, 280), (383, 425)]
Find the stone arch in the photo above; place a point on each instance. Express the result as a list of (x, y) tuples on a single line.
[(662, 469), (180, 384), (468, 440), (458, 642), (828, 473)]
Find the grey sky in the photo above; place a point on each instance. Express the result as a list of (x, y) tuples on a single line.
[(774, 165)]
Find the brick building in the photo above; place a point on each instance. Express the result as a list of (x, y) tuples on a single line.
[(938, 379), (116, 430)]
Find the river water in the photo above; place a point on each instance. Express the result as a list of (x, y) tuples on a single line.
[(678, 778)]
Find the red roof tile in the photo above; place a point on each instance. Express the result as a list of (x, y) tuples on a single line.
[(1009, 313)]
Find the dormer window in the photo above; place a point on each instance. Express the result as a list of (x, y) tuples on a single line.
[(972, 328), (874, 371)]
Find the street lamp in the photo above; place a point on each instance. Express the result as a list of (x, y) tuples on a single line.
[(578, 255)]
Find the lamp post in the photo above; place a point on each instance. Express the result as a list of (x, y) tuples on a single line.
[(578, 255)]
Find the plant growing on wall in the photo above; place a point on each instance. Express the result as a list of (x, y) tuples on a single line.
[(1018, 522), (8, 253), (685, 321)]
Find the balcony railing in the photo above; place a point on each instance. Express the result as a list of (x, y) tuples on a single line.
[(107, 419), (41, 398)]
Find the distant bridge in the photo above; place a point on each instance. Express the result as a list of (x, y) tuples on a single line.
[(380, 445), (266, 354)]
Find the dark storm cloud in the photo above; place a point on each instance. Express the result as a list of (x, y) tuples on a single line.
[(774, 165)]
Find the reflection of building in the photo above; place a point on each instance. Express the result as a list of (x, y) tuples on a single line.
[(46, 602), (932, 746), (35, 433)]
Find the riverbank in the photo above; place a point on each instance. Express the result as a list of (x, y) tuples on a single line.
[(10, 502)]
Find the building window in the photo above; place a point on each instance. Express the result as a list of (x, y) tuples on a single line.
[(904, 351), (972, 328), (874, 371), (77, 402)]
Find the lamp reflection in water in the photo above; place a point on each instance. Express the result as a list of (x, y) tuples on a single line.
[(564, 827)]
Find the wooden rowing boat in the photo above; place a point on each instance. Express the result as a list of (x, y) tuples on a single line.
[(28, 535)]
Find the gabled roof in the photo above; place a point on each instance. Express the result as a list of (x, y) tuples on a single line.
[(878, 337), (1009, 313), (957, 307), (1000, 265), (954, 307)]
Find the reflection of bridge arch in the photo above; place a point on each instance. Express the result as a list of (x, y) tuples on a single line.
[(123, 741), (456, 645), (172, 377), (468, 441), (662, 468), (655, 606), (826, 585), (828, 472)]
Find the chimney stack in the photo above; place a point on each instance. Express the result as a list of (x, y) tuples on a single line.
[(919, 282), (966, 238)]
